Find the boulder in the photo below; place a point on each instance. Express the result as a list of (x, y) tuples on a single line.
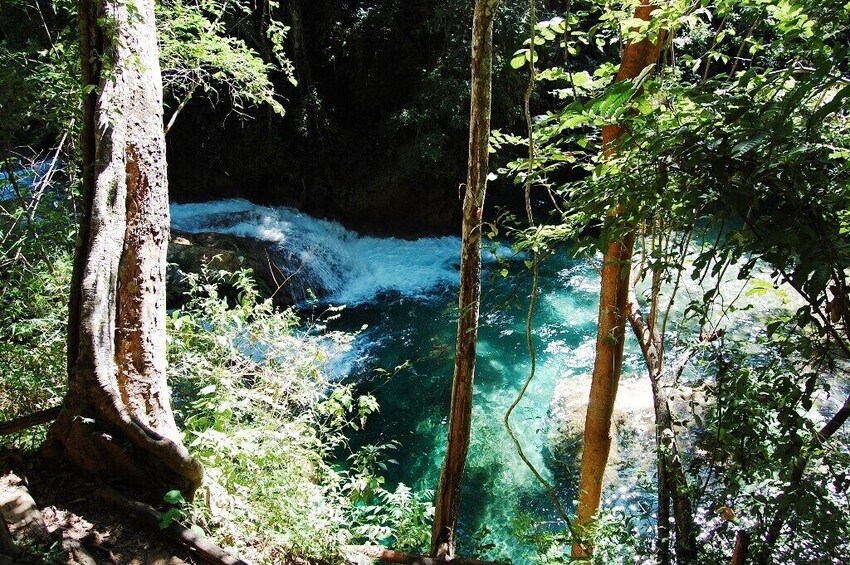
[(192, 252)]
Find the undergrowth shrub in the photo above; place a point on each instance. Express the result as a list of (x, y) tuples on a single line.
[(254, 398), (37, 231)]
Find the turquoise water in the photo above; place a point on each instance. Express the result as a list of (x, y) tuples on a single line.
[(406, 361), (401, 298)]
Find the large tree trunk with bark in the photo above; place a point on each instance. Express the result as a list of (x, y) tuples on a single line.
[(117, 419), (610, 335), (448, 494), (299, 49)]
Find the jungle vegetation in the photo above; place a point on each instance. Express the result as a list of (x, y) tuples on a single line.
[(670, 142)]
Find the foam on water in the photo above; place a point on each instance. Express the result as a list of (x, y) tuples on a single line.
[(323, 257)]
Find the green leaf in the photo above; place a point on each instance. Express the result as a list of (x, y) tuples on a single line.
[(581, 78), (169, 516), (174, 497), (519, 59), (749, 144), (829, 107)]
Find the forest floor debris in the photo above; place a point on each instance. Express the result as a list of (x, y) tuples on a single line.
[(66, 523)]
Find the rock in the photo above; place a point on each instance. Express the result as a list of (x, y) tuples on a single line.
[(20, 511), (191, 253), (632, 429)]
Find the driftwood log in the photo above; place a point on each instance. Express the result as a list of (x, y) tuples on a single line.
[(199, 545)]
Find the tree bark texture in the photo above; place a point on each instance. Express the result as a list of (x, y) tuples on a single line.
[(7, 544), (299, 49), (117, 418), (610, 335), (742, 548), (448, 493)]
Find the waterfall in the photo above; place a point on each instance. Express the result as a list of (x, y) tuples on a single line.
[(321, 258)]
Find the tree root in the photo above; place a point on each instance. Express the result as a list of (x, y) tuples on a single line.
[(7, 544), (200, 546)]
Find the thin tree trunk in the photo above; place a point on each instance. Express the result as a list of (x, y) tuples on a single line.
[(797, 472), (652, 357), (117, 419), (672, 483), (448, 494), (742, 548), (610, 335)]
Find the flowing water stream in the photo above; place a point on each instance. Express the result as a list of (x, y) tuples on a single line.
[(400, 299)]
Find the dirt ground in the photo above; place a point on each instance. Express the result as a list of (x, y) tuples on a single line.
[(69, 524)]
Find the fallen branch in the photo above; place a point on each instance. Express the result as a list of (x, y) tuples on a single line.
[(392, 556), (25, 422), (201, 546)]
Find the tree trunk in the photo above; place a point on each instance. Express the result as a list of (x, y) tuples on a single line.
[(612, 318), (606, 378), (742, 548), (672, 483), (796, 477), (116, 419), (7, 544), (299, 50), (448, 494)]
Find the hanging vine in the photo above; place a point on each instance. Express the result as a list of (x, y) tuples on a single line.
[(535, 281)]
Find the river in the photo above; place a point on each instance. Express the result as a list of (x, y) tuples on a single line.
[(400, 299)]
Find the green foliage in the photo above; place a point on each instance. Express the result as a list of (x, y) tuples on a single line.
[(176, 512), (36, 241), (616, 536), (261, 415), (40, 90), (399, 519), (198, 53), (733, 163), (762, 420)]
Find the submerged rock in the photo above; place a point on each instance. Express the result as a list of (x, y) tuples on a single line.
[(632, 434)]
